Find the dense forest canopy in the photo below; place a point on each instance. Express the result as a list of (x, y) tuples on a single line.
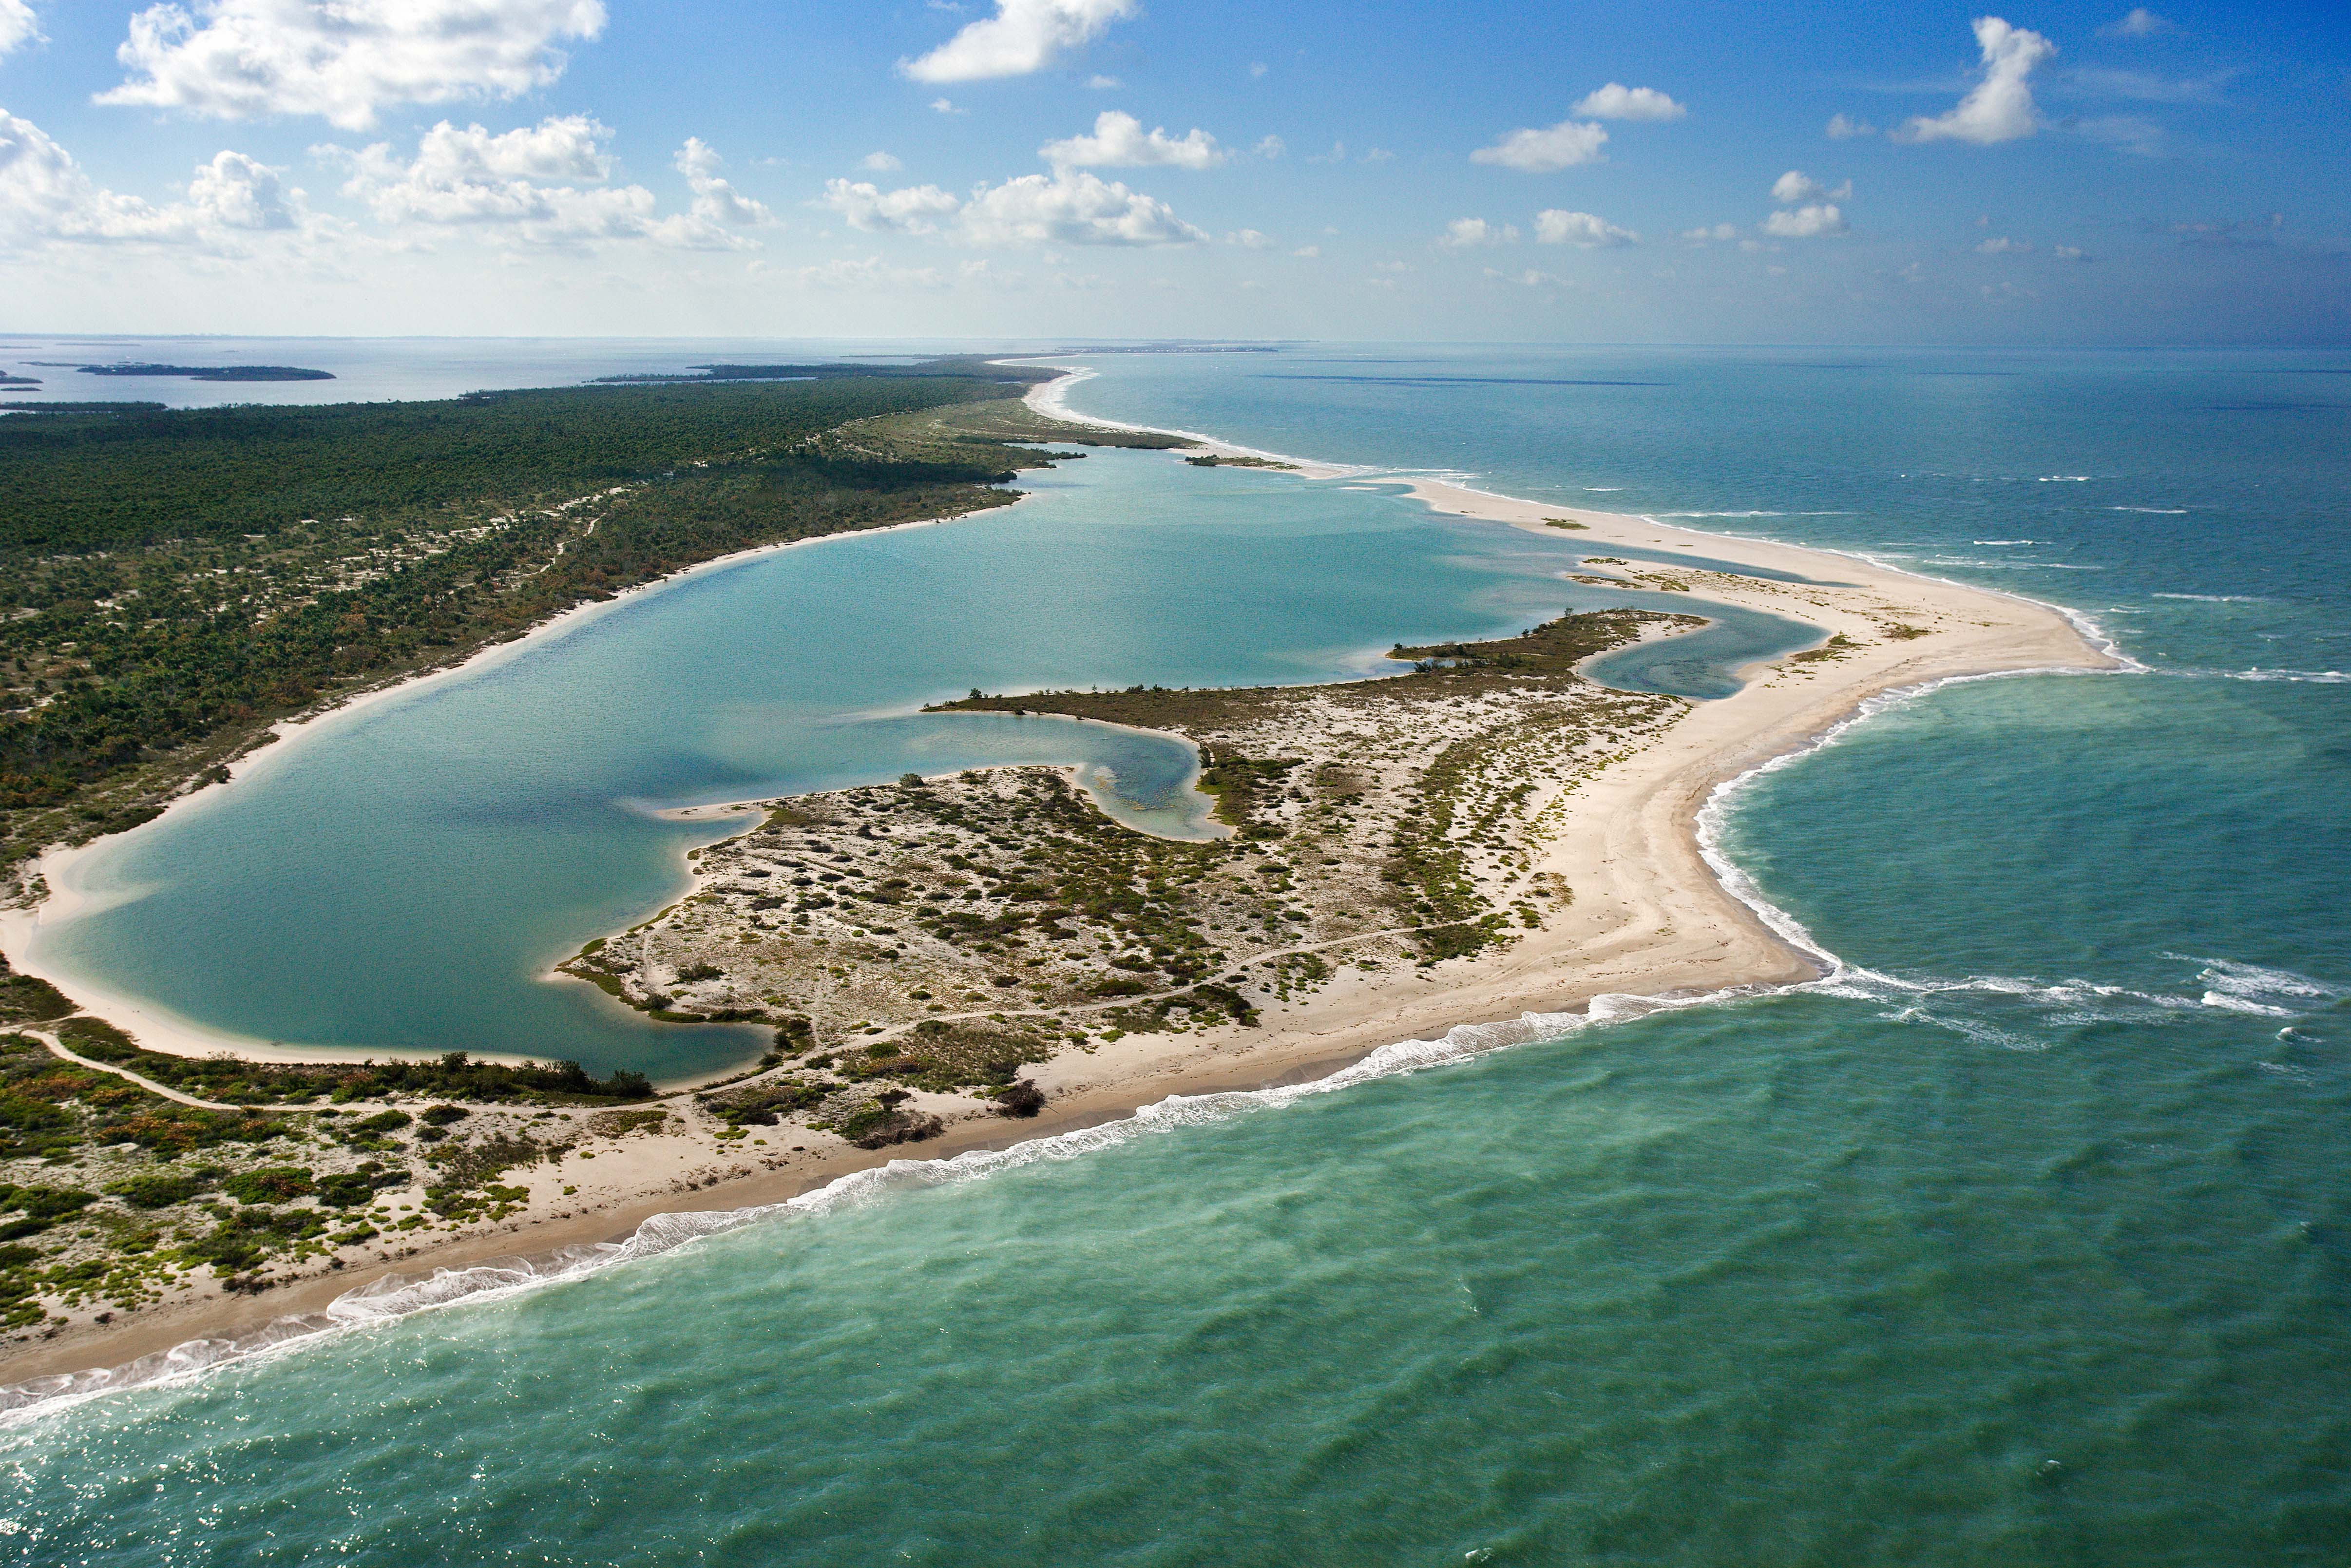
[(173, 581), (99, 480)]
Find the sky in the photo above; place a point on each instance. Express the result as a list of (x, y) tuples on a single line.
[(1896, 172)]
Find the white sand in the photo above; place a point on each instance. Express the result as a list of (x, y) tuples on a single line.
[(1649, 919)]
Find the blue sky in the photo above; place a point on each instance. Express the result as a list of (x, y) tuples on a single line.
[(1076, 168)]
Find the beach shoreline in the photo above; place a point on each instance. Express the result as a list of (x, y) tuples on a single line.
[(157, 1029), (1654, 917)]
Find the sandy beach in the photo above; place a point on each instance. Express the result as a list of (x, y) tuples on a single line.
[(1650, 918), (59, 872)]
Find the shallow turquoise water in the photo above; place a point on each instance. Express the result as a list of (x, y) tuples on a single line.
[(403, 879), (2023, 1239)]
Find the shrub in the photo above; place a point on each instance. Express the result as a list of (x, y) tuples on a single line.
[(275, 1183), (43, 1207), (1019, 1098), (157, 1190), (348, 1190)]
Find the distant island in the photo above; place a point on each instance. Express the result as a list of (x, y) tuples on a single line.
[(9, 380), (213, 373), (1225, 460)]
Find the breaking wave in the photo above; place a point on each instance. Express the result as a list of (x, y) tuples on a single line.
[(396, 1296), (2235, 986), (2312, 677)]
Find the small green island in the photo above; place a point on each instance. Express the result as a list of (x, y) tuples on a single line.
[(210, 372), (1223, 460)]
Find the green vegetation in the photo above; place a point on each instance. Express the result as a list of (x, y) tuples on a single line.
[(884, 1120), (1553, 648), (941, 1056), (213, 373), (175, 580), (1217, 460), (1835, 648), (1427, 873), (1565, 523), (1240, 784), (454, 1076)]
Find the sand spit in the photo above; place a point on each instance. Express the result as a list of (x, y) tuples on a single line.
[(1647, 917)]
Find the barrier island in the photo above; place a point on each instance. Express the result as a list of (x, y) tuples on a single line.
[(945, 963)]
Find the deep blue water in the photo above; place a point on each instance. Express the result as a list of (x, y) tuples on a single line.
[(2023, 1239)]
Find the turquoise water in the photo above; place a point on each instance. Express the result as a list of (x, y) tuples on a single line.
[(432, 855), (2023, 1238)]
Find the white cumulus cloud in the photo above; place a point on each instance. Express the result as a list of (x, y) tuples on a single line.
[(1250, 239), (45, 197), (240, 192), (344, 60), (1719, 231), (917, 209), (1070, 207), (1842, 129), (1558, 226), (880, 164), (718, 209), (1795, 186), (1119, 142), (500, 184), (1024, 35), (1617, 102), (1467, 234), (1999, 107), (1814, 221), (1540, 152), (2002, 245), (17, 27)]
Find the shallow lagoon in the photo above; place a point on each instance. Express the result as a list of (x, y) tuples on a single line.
[(402, 877)]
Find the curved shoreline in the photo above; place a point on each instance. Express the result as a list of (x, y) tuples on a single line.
[(1657, 925), (158, 1028)]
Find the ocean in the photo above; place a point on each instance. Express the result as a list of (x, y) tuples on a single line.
[(2021, 1238)]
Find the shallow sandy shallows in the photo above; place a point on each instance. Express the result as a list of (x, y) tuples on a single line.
[(1649, 919)]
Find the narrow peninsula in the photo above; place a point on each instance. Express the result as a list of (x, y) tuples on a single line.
[(1480, 834)]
